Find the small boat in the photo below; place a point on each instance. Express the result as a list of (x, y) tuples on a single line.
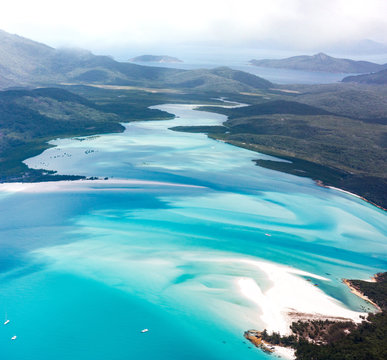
[(144, 330), (267, 234), (6, 322), (13, 337)]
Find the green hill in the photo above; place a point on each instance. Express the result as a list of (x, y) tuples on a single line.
[(30, 118), (221, 80), (377, 78), (272, 107), (24, 62), (340, 151)]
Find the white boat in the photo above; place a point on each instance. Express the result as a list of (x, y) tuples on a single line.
[(13, 337), (6, 322), (144, 330)]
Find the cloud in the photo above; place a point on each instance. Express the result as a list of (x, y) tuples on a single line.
[(298, 23)]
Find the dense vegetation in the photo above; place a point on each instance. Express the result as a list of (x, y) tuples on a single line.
[(379, 78), (335, 133), (356, 101), (377, 291), (30, 118), (332, 146), (330, 340)]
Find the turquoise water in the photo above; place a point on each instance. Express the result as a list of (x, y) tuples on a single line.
[(84, 270)]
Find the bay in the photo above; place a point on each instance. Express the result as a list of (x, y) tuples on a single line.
[(174, 240)]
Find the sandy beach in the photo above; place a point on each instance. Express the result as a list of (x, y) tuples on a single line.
[(360, 294), (291, 298)]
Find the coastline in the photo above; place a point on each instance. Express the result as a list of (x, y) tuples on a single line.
[(264, 163), (320, 183), (324, 332), (21, 173), (271, 271), (291, 297), (360, 294)]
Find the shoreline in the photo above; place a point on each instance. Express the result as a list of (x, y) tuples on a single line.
[(291, 297), (321, 183), (41, 175), (288, 349), (271, 153), (281, 156), (360, 294)]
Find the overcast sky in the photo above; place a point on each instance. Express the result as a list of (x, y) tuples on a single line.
[(96, 24)]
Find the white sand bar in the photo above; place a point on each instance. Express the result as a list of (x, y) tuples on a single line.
[(290, 297), (85, 185)]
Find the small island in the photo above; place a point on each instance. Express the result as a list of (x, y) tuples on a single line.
[(332, 339), (156, 58)]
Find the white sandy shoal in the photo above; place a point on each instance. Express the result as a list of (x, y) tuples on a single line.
[(84, 185), (288, 294), (344, 191), (285, 352)]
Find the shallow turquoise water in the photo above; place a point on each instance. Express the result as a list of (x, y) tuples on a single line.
[(83, 271)]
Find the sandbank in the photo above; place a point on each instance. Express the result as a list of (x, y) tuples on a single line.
[(86, 185), (291, 297)]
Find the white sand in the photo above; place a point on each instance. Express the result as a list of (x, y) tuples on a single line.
[(283, 352), (290, 294), (344, 191), (83, 185)]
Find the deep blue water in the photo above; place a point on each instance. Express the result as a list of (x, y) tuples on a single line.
[(83, 270)]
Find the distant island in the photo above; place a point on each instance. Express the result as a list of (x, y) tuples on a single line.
[(156, 58), (24, 62), (320, 62)]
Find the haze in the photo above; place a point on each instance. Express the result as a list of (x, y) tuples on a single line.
[(117, 24)]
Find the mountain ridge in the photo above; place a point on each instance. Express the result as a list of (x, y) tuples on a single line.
[(24, 62), (320, 62)]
